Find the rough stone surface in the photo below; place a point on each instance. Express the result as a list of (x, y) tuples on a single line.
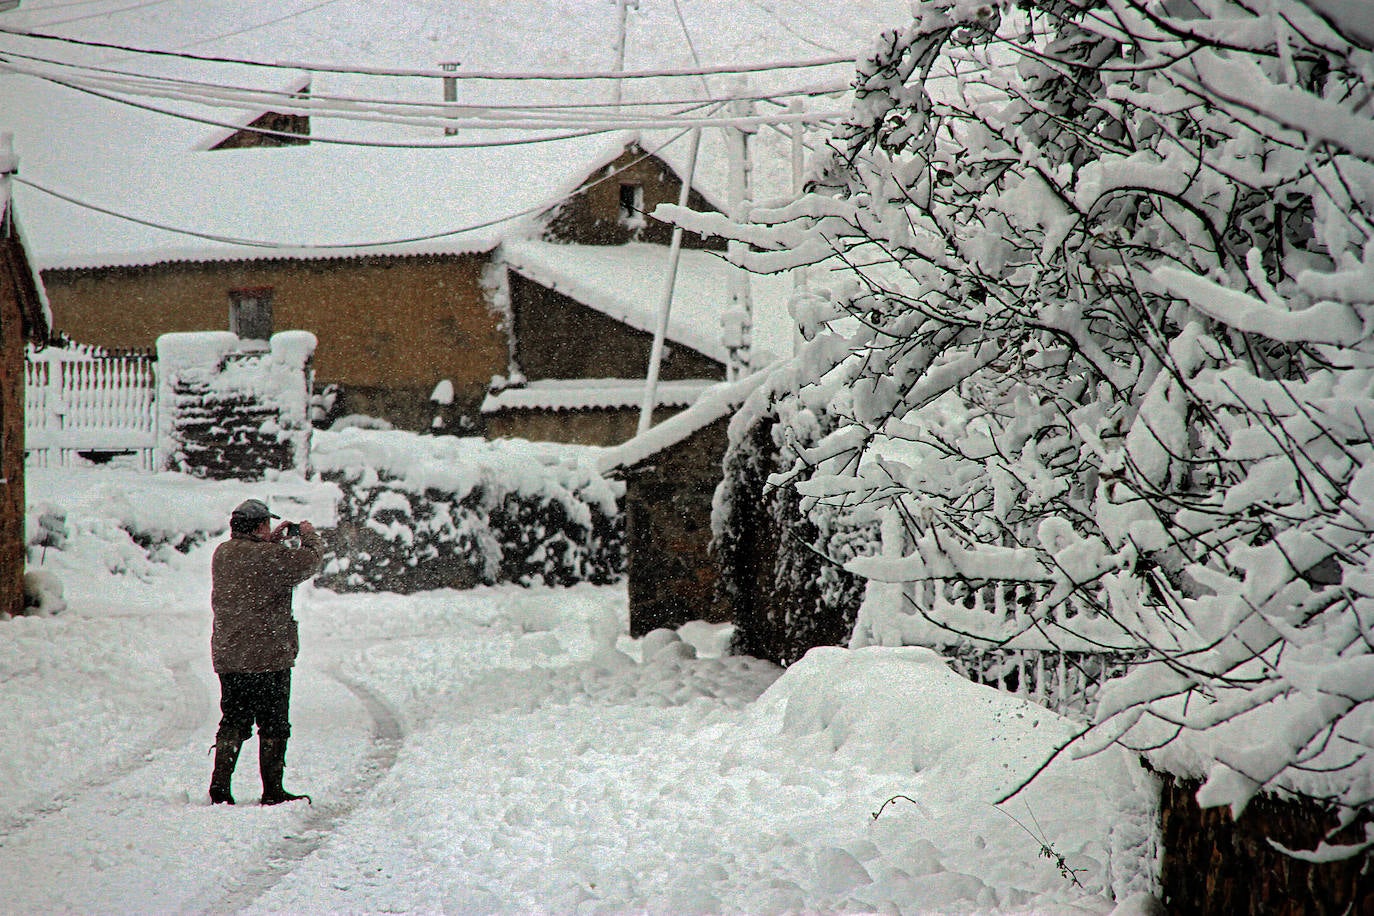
[(1213, 864), (220, 437), (668, 533)]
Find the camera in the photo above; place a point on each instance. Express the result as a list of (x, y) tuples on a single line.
[(293, 529)]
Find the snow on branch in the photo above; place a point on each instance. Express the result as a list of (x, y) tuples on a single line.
[(1110, 272), (1324, 322)]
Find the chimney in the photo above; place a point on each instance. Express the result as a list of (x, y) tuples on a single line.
[(450, 91)]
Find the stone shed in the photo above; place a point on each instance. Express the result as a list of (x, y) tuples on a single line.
[(671, 473)]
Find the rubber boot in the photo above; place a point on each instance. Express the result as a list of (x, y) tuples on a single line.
[(226, 757), (272, 763)]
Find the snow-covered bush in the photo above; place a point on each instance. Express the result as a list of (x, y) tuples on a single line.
[(1108, 337), (422, 512), (43, 594), (782, 571)]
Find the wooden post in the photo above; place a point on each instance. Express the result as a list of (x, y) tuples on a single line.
[(450, 91), (799, 275), (622, 7)]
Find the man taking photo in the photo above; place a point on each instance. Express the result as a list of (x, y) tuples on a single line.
[(255, 641)]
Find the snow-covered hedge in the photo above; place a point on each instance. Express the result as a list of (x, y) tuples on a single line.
[(420, 512), (781, 572)]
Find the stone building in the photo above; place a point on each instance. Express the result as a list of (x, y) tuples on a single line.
[(392, 320), (671, 473)]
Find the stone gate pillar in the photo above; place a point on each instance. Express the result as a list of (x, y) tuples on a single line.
[(232, 408)]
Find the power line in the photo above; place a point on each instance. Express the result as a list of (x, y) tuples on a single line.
[(64, 6), (316, 138), (267, 95), (691, 45), (547, 123), (84, 16), (553, 75), (261, 25)]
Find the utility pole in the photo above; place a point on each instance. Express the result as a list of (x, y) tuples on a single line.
[(646, 413), (622, 7), (738, 321), (9, 164)]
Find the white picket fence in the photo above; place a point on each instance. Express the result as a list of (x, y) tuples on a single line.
[(76, 403), (1009, 635)]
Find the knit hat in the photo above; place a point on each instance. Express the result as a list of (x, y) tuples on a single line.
[(252, 510)]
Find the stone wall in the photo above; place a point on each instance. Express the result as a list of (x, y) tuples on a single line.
[(668, 533), (1216, 866), (389, 328), (11, 443), (23, 319), (557, 337), (228, 410), (592, 215)]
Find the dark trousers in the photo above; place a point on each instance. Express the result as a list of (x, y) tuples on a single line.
[(263, 698)]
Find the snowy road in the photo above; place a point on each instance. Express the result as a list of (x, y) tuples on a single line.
[(511, 750), (135, 827)]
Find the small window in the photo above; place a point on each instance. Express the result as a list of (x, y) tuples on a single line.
[(250, 312), (632, 205)]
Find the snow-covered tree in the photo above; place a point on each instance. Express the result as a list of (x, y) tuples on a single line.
[(1111, 270)]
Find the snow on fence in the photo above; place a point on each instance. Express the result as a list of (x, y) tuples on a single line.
[(78, 402), (1013, 635)]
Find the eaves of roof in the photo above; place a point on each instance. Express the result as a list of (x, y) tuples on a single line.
[(33, 302)]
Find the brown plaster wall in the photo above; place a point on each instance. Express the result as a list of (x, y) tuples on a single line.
[(592, 215), (396, 325), (1215, 866), (556, 338), (11, 445), (668, 533)]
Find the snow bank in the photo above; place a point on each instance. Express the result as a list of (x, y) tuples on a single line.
[(902, 711), (106, 519)]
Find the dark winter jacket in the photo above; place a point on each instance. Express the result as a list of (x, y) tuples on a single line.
[(251, 583)]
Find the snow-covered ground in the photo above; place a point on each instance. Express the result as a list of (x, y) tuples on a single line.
[(510, 750)]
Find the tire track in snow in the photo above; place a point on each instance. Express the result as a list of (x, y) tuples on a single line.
[(192, 698), (320, 819)]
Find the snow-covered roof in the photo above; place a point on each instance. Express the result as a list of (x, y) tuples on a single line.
[(591, 394), (626, 282), (120, 144), (307, 202)]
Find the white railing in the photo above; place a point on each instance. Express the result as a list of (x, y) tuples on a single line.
[(81, 404), (1017, 637)]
